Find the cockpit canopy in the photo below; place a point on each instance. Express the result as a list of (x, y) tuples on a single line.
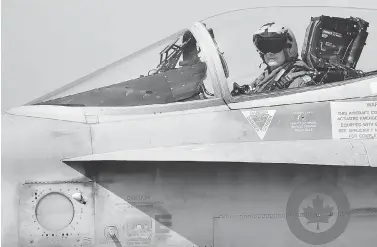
[(234, 35), (168, 71), (191, 64)]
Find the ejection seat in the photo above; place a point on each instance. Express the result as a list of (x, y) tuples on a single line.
[(332, 47)]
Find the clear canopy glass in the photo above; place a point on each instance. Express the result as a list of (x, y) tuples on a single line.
[(171, 70), (234, 35), (175, 69)]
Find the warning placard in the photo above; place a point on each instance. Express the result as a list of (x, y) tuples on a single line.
[(354, 120), (303, 122), (260, 120)]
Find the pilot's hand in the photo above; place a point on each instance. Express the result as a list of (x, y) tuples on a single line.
[(237, 89)]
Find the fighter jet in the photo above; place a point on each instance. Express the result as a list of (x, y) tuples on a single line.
[(172, 146)]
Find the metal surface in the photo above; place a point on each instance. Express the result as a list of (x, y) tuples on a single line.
[(357, 88), (338, 153), (312, 121), (50, 112), (187, 162), (79, 230), (194, 193), (119, 221), (80, 114), (33, 150)]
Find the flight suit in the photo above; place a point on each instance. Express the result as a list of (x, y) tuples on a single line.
[(292, 74)]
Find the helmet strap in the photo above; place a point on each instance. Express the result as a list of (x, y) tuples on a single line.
[(286, 55)]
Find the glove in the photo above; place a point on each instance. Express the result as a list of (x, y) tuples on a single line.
[(237, 89)]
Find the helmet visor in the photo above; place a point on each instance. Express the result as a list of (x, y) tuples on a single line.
[(272, 44)]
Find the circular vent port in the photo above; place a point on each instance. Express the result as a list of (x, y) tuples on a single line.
[(54, 212)]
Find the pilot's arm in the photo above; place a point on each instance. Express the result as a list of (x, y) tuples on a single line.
[(257, 82)]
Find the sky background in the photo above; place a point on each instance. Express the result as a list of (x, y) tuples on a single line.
[(47, 44)]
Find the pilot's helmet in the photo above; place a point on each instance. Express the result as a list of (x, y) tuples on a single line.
[(272, 37)]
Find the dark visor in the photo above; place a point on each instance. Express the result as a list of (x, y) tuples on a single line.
[(270, 44)]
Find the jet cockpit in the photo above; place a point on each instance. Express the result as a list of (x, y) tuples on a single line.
[(217, 59)]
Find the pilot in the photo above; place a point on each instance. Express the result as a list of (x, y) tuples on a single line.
[(278, 49)]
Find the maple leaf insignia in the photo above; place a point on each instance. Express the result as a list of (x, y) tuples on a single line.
[(318, 213)]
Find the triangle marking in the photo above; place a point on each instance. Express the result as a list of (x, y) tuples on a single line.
[(260, 120)]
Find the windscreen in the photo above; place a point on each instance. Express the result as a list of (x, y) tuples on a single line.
[(263, 47), (171, 70)]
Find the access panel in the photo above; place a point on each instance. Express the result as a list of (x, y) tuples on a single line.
[(56, 214)]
